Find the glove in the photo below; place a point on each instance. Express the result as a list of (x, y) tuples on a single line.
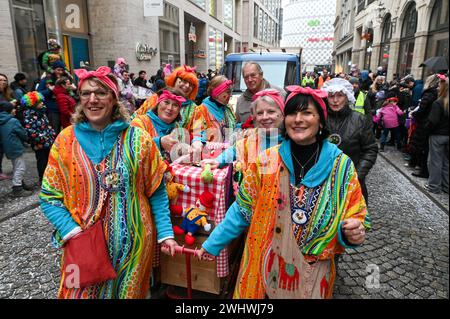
[(207, 227)]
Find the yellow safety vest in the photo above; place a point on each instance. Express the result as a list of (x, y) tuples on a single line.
[(359, 105)]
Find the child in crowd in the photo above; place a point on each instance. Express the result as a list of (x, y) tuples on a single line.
[(40, 133), (389, 117), (13, 136)]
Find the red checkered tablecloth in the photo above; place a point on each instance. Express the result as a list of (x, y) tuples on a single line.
[(190, 175)]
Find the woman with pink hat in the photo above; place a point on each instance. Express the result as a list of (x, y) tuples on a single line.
[(119, 67)]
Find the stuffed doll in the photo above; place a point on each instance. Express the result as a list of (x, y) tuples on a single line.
[(173, 190), (195, 217)]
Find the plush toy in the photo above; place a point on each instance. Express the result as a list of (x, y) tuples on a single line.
[(207, 175), (195, 217), (173, 190)]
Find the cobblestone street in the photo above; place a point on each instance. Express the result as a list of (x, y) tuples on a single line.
[(408, 246)]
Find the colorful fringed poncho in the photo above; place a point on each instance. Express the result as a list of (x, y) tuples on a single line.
[(284, 257), (119, 188), (211, 122)]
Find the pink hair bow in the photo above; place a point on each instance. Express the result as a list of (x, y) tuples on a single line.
[(166, 95), (189, 69), (442, 77), (222, 87), (101, 73), (317, 95), (273, 94)]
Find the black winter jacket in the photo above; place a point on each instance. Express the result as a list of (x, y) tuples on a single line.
[(438, 119), (357, 139)]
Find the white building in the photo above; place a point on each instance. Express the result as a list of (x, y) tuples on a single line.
[(396, 35), (309, 24)]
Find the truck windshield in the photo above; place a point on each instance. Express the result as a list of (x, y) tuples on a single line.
[(278, 73)]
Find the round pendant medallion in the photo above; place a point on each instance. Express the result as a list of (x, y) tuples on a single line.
[(299, 216), (335, 139)]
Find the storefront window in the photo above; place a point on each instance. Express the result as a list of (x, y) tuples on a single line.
[(438, 40), (228, 13), (409, 29), (199, 3), (385, 42), (169, 36), (31, 39)]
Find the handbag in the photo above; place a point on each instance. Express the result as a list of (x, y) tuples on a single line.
[(86, 258)]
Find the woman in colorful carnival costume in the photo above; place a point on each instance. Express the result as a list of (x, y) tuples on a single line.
[(184, 79), (301, 210), (267, 113), (161, 121), (214, 120), (103, 166)]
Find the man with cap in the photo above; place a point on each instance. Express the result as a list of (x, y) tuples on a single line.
[(362, 105), (349, 129)]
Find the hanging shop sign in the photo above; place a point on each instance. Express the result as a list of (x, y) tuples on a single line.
[(191, 35), (200, 54), (73, 13), (144, 52)]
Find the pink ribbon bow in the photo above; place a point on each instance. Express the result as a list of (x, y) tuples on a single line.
[(317, 95), (442, 77), (273, 94), (222, 87), (166, 95), (102, 74), (187, 68)]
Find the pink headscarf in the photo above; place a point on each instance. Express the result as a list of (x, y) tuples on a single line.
[(166, 95), (222, 87), (317, 95), (102, 74), (273, 94)]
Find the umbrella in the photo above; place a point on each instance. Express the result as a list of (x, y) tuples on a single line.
[(436, 63)]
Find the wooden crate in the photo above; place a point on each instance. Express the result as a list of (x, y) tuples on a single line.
[(203, 273)]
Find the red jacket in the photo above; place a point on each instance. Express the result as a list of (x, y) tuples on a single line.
[(66, 105)]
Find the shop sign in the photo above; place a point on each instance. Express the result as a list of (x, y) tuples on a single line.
[(144, 52), (153, 8), (326, 39), (200, 54), (314, 23), (73, 13)]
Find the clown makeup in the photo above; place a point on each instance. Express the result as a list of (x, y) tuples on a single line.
[(267, 115), (224, 97), (185, 86), (168, 110)]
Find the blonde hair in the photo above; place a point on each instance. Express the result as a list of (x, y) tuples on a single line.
[(120, 112), (431, 82), (373, 87), (443, 94), (215, 82)]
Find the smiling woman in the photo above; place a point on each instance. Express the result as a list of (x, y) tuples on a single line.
[(162, 121), (104, 172), (303, 204)]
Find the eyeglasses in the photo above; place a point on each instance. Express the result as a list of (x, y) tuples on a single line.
[(252, 75), (98, 94), (187, 83)]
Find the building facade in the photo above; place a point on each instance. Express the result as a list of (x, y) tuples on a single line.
[(147, 33), (309, 24), (396, 35)]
